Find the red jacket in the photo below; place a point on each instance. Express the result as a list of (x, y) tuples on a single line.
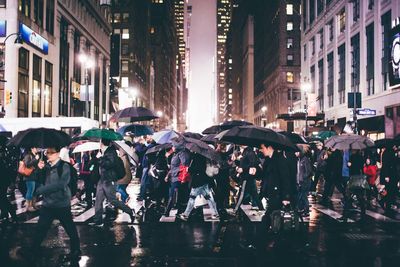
[(370, 171)]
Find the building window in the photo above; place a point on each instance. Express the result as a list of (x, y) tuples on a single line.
[(38, 12), (125, 34), (24, 6), (63, 95), (289, 77), (330, 30), (386, 28), (305, 52), (77, 64), (342, 73), (23, 82), (370, 59), (125, 65), (320, 6), (312, 11), (312, 76), (342, 20), (290, 60), (37, 86), (289, 9), (289, 26), (321, 39), (124, 82), (312, 46), (289, 43), (3, 3), (371, 4), (355, 63), (356, 10), (330, 79), (117, 17), (321, 84), (50, 16), (48, 89), (125, 49), (304, 14), (125, 17)]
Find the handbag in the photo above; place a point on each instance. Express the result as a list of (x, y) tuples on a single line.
[(183, 175), (286, 219), (23, 170), (358, 182)]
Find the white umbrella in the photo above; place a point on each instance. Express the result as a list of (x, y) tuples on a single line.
[(349, 141), (129, 151), (88, 146)]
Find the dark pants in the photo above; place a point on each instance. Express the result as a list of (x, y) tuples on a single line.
[(330, 185), (146, 183), (302, 196), (222, 188), (160, 189), (47, 215), (249, 187), (89, 189), (106, 190), (173, 196), (274, 203), (314, 183), (360, 194), (5, 205)]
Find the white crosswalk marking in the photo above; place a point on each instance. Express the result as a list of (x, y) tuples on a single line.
[(171, 217), (331, 213), (253, 215), (74, 201), (207, 213), (379, 216), (85, 216)]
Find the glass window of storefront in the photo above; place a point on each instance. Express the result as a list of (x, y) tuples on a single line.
[(37, 86), (23, 82), (48, 89)]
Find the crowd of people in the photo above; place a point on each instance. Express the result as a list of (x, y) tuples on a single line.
[(171, 176)]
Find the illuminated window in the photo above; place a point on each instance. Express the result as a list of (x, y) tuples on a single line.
[(125, 34), (152, 30), (125, 65), (230, 90), (289, 77), (230, 96), (289, 9), (342, 20), (289, 43), (289, 26), (124, 82)]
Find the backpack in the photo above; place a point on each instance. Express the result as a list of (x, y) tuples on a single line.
[(119, 169), (73, 180)]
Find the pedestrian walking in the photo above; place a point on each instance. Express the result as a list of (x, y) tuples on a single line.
[(304, 174), (123, 183), (320, 169), (31, 160), (146, 183), (388, 176), (106, 187), (8, 169)]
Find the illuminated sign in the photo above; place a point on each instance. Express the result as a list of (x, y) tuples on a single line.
[(394, 63), (33, 38), (3, 28)]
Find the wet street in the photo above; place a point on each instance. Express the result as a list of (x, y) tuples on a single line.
[(241, 241)]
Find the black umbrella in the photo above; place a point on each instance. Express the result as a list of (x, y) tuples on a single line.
[(255, 136), (135, 114), (158, 148), (385, 142), (193, 135), (209, 139), (295, 138), (212, 130), (41, 138), (199, 147), (230, 124)]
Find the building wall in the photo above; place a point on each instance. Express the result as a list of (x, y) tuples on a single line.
[(383, 96)]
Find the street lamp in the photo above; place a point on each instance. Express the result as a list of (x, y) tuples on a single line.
[(306, 87), (87, 63), (159, 114), (264, 119)]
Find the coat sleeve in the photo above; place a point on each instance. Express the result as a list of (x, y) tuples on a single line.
[(284, 176), (108, 161), (61, 184), (30, 161)]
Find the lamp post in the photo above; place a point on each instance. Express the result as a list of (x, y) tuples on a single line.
[(264, 119), (306, 87), (87, 63)]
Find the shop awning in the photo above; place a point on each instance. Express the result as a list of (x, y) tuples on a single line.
[(372, 124)]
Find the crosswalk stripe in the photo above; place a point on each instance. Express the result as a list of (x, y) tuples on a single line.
[(23, 209), (85, 216), (74, 201), (379, 216), (331, 213), (254, 216), (171, 218), (207, 213)]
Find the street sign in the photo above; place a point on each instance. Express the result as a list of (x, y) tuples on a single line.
[(366, 112)]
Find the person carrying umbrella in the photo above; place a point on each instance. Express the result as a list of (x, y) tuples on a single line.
[(31, 160), (388, 176), (106, 187)]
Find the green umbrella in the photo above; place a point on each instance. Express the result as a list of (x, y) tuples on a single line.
[(326, 134), (102, 134)]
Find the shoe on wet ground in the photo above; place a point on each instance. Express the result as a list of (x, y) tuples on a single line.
[(183, 217), (96, 224)]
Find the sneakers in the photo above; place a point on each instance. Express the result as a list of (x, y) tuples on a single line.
[(215, 217), (183, 217), (96, 224)]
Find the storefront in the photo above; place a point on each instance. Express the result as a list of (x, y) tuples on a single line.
[(373, 127)]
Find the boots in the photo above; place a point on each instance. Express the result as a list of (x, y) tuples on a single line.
[(29, 206), (34, 203)]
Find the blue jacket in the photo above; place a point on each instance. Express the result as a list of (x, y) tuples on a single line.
[(345, 168)]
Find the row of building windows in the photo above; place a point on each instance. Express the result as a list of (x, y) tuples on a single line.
[(37, 13)]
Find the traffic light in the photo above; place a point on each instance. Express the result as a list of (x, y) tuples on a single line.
[(10, 98), (8, 95)]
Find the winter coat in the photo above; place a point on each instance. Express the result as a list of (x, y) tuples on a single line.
[(249, 160), (334, 166), (304, 169), (388, 165), (370, 171), (345, 167), (30, 161), (128, 174), (107, 164), (356, 164), (182, 157), (276, 177), (55, 191), (197, 171)]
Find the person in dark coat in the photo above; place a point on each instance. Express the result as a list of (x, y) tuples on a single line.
[(8, 170), (247, 170), (304, 174), (278, 183), (222, 185), (146, 183), (388, 176), (320, 167), (106, 187)]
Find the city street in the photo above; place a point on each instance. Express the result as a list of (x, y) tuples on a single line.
[(238, 242)]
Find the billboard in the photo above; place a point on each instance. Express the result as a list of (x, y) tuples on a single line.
[(394, 63)]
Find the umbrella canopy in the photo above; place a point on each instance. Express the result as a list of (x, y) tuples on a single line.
[(158, 148), (209, 139), (349, 141), (102, 134), (326, 134), (230, 124), (136, 129), (165, 136), (130, 151), (41, 138), (295, 138), (385, 142), (135, 114), (255, 136), (199, 147), (193, 135), (88, 146), (212, 130)]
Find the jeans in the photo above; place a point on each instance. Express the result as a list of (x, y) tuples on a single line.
[(47, 215), (106, 190), (30, 188), (121, 188), (302, 197), (173, 195), (204, 191), (145, 183)]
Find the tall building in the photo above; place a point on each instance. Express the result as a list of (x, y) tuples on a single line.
[(224, 97), (44, 76), (346, 49), (163, 55)]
